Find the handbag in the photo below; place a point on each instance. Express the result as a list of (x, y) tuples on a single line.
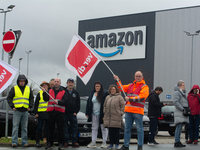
[(186, 111)]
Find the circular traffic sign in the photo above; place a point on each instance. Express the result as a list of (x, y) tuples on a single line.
[(9, 41)]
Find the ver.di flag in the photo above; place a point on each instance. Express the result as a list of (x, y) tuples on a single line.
[(81, 59), (7, 74)]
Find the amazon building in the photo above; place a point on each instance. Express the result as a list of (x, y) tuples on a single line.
[(153, 42)]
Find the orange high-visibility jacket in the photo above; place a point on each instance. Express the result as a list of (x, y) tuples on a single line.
[(137, 97)]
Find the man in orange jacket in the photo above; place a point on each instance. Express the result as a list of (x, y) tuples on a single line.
[(137, 92)]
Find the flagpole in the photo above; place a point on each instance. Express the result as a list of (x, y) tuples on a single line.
[(113, 75), (37, 84), (101, 60)]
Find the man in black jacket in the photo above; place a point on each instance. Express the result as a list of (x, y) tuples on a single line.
[(40, 109), (56, 110), (20, 99), (154, 111), (72, 108)]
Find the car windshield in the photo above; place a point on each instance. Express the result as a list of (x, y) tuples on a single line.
[(83, 104), (167, 109)]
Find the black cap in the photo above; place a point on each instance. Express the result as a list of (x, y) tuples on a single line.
[(70, 79)]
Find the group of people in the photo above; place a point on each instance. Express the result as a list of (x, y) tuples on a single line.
[(186, 112), (57, 105), (54, 105)]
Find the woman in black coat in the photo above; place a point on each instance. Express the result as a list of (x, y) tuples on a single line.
[(94, 113)]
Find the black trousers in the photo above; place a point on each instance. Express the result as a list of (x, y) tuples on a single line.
[(58, 120), (153, 128), (114, 135)]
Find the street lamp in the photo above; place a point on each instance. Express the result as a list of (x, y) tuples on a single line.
[(9, 9), (28, 59), (192, 35), (19, 64), (57, 74)]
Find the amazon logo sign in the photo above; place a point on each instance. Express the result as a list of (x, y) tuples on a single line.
[(119, 44)]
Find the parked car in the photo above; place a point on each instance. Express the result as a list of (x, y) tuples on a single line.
[(32, 121), (166, 121), (134, 130), (84, 127)]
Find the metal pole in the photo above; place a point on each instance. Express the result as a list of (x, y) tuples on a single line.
[(189, 34), (4, 29), (191, 64), (27, 63), (19, 64), (28, 60), (7, 107)]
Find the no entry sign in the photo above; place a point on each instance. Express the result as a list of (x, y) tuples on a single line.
[(9, 41)]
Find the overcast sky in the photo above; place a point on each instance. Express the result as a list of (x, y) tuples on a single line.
[(48, 26)]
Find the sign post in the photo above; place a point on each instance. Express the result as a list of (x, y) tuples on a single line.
[(9, 42), (168, 97)]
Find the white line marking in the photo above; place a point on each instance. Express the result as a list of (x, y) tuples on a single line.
[(8, 41)]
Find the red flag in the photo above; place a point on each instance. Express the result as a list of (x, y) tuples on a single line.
[(81, 59), (7, 74)]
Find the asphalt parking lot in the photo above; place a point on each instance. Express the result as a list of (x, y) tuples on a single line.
[(166, 143)]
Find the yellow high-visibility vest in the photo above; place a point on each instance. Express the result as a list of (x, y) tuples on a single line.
[(21, 100), (42, 107)]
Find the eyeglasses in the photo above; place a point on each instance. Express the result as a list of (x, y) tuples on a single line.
[(138, 76)]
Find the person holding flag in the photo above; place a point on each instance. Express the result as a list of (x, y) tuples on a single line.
[(57, 99), (137, 92), (40, 109), (20, 99)]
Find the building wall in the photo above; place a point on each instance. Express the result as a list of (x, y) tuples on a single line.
[(172, 61), (125, 69), (168, 50)]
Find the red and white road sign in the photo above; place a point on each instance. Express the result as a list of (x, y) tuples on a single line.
[(9, 41)]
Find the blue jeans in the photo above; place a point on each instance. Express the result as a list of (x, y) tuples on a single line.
[(17, 118), (73, 126), (129, 119), (153, 128), (178, 132), (194, 127)]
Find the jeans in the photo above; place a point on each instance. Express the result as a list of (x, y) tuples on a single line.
[(194, 127), (153, 127), (73, 126), (95, 127), (114, 135), (40, 125), (186, 131), (129, 119), (17, 118), (58, 120), (178, 132), (39, 129)]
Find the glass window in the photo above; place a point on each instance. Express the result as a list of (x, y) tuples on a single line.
[(83, 103), (167, 109)]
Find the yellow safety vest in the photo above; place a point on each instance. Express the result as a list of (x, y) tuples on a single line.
[(21, 100), (42, 107)]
